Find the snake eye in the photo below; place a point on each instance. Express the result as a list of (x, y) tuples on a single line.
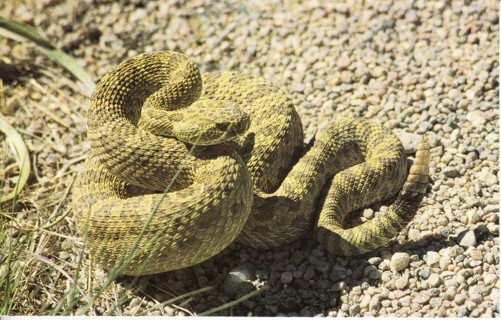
[(223, 126)]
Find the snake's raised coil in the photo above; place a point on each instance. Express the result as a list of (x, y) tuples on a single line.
[(228, 149)]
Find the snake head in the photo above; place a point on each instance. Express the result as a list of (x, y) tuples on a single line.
[(208, 122)]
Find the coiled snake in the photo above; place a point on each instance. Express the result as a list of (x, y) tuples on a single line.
[(228, 148)]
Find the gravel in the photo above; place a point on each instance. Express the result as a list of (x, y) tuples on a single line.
[(416, 67)]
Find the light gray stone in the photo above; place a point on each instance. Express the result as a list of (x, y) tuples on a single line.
[(432, 258), (399, 261), (468, 239)]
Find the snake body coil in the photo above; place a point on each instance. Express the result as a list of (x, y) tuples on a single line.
[(229, 150)]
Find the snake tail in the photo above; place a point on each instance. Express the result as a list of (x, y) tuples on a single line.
[(378, 231)]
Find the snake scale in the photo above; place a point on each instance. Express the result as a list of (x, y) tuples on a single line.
[(228, 148)]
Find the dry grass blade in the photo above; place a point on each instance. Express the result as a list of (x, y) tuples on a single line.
[(52, 264), (16, 142), (176, 299), (233, 303), (50, 51)]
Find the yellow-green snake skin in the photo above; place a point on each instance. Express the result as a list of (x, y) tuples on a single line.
[(229, 149)]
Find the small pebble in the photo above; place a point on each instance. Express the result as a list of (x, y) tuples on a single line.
[(354, 309), (239, 279), (346, 76), (451, 172), (434, 280), (365, 301), (422, 297), (135, 302), (63, 255), (432, 258), (322, 266), (476, 254), (309, 274), (436, 302), (286, 277), (339, 286), (386, 276), (399, 261), (476, 118), (402, 282), (375, 260), (468, 239), (453, 94), (424, 273), (368, 214)]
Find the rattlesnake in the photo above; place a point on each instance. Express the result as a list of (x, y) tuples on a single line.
[(229, 149)]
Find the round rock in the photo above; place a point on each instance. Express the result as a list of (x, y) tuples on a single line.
[(399, 261), (286, 277), (432, 258), (239, 279)]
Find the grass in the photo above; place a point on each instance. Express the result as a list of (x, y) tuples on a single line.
[(44, 269), (16, 142), (50, 51)]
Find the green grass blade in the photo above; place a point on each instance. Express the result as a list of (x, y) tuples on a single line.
[(50, 51), (23, 159), (25, 31)]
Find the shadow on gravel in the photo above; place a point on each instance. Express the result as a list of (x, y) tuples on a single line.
[(302, 279)]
